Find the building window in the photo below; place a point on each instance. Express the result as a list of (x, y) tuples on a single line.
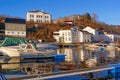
[(37, 20), (69, 34), (69, 38), (65, 38), (46, 17), (37, 16), (31, 15)]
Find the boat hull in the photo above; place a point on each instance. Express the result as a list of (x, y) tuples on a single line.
[(9, 52)]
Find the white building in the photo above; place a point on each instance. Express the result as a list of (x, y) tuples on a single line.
[(15, 27), (69, 35), (112, 37), (65, 36), (98, 35), (95, 33), (84, 36), (38, 16), (72, 35)]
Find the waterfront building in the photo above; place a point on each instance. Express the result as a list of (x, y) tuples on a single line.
[(98, 35), (72, 35), (112, 37), (84, 36), (65, 36), (15, 27), (94, 33), (69, 35), (38, 16)]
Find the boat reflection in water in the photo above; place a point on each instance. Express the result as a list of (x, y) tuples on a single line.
[(36, 68), (14, 66)]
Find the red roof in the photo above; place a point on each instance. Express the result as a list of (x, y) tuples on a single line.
[(68, 21)]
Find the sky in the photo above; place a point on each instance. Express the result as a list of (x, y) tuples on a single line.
[(108, 11)]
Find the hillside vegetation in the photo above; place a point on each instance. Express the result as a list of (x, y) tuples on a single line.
[(45, 30)]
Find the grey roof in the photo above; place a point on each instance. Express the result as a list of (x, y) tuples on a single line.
[(14, 20), (35, 11)]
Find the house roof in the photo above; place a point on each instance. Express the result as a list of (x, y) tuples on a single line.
[(14, 20), (85, 32), (36, 11)]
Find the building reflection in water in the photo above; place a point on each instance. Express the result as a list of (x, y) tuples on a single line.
[(90, 58), (76, 58), (68, 52)]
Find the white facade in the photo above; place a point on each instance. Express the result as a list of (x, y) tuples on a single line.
[(15, 33), (72, 35), (84, 36), (112, 37), (94, 33), (15, 27), (88, 34), (38, 16), (67, 36)]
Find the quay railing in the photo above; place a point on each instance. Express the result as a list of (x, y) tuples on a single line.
[(61, 74)]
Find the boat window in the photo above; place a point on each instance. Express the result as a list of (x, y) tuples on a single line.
[(23, 46)]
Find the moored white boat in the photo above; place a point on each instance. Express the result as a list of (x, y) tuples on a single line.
[(21, 49)]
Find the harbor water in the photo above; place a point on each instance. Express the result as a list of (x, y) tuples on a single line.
[(75, 58)]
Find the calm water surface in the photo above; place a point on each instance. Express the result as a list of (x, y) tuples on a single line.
[(76, 58)]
